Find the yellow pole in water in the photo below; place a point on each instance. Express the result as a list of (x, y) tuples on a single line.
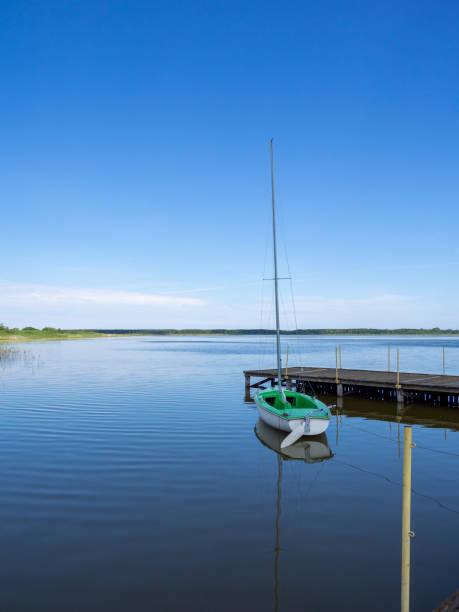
[(444, 368), (397, 386), (406, 517), (340, 356), (388, 357), (336, 371)]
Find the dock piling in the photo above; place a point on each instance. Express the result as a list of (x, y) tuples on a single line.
[(397, 385)]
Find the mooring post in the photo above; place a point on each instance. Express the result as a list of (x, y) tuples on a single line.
[(407, 534), (336, 365), (339, 386), (398, 386), (247, 397), (247, 381)]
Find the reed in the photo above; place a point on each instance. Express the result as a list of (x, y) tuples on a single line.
[(8, 354)]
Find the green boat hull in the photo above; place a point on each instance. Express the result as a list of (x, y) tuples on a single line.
[(297, 407)]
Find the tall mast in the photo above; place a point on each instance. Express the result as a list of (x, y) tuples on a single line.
[(276, 290)]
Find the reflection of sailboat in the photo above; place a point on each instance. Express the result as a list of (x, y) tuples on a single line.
[(310, 450)]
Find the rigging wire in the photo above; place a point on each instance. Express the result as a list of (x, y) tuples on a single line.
[(262, 341), (273, 336), (297, 346), (262, 304), (311, 484)]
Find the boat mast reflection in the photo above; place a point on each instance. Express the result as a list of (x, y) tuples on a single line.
[(277, 547), (310, 450)]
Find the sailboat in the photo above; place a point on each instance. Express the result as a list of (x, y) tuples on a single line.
[(291, 411)]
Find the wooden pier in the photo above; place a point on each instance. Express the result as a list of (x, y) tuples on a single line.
[(436, 389)]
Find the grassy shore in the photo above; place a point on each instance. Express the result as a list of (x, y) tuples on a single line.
[(47, 333)]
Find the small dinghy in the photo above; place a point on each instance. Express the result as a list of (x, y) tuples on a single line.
[(294, 412), (291, 411)]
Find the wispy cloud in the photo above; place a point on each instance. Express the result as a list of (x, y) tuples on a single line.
[(215, 288), (350, 270), (350, 305), (374, 310), (75, 307), (73, 295)]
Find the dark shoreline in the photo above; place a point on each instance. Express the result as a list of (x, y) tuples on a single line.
[(298, 332)]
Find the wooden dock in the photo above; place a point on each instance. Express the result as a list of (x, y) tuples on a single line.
[(434, 389)]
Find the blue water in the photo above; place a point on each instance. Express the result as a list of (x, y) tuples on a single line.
[(133, 479)]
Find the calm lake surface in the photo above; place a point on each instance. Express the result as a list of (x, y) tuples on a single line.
[(133, 479)]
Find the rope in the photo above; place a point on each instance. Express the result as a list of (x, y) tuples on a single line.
[(434, 499), (435, 450), (395, 440)]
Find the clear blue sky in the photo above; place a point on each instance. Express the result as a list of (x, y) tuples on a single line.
[(135, 161)]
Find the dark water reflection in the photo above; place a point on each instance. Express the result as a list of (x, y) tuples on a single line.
[(133, 479)]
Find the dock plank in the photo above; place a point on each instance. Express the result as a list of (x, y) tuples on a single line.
[(410, 382)]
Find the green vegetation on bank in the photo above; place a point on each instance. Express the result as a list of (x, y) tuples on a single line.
[(51, 333), (47, 333)]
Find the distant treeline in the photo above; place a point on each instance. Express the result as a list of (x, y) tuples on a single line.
[(361, 331), (53, 333)]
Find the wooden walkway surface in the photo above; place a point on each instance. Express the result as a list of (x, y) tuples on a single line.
[(423, 387)]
